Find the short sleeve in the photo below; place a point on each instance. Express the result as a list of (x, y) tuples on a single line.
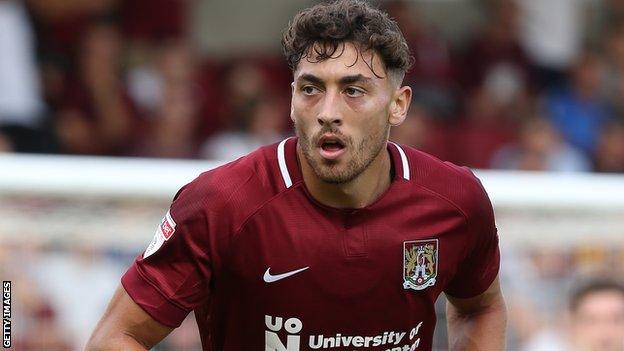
[(482, 261), (172, 277)]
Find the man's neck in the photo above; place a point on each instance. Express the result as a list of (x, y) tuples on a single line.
[(358, 193)]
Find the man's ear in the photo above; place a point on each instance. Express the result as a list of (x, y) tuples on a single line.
[(400, 105)]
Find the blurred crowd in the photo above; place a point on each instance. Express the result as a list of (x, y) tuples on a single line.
[(56, 309), (537, 85), (122, 78), (531, 89)]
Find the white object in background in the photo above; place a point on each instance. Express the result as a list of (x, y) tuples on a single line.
[(20, 92), (552, 30)]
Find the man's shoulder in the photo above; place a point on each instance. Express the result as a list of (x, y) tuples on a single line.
[(238, 185), (455, 184)]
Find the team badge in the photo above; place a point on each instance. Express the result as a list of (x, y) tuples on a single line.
[(420, 263), (165, 230)]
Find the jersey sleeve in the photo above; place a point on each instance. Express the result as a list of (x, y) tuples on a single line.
[(172, 277), (479, 268)]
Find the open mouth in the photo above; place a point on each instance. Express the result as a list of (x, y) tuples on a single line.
[(331, 147)]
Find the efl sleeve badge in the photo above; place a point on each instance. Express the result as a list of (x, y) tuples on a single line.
[(165, 230)]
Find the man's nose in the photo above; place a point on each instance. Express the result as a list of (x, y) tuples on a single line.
[(329, 113)]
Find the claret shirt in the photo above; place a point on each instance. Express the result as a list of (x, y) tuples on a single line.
[(264, 265)]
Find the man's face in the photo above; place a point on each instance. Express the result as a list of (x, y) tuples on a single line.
[(598, 322), (341, 112)]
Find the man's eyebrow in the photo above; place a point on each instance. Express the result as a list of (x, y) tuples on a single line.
[(311, 78), (358, 78)]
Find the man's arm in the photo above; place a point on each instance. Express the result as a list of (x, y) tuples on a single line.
[(125, 326), (477, 323)]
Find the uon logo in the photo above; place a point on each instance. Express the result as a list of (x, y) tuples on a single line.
[(272, 341)]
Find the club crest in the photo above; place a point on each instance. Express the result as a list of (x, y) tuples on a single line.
[(420, 263)]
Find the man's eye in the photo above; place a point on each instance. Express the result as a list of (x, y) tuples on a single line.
[(353, 92), (309, 90)]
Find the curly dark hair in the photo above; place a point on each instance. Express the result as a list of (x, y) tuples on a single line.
[(323, 31)]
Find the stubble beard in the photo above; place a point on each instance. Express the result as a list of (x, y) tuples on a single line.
[(334, 172)]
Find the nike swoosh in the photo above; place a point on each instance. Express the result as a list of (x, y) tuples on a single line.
[(269, 278)]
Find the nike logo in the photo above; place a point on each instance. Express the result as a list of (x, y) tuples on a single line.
[(269, 278)]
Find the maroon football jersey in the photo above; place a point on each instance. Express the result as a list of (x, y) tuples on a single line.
[(261, 262)]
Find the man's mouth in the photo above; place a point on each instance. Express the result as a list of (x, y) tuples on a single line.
[(331, 147)]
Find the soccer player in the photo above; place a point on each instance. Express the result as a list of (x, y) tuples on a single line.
[(335, 239)]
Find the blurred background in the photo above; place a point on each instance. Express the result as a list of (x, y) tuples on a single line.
[(531, 92)]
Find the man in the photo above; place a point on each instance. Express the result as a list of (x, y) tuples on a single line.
[(597, 316), (303, 245), (595, 321)]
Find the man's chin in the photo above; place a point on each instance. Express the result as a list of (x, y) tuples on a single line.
[(333, 174), (330, 171)]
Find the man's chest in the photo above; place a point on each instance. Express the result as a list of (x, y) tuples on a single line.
[(317, 254), (330, 278)]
